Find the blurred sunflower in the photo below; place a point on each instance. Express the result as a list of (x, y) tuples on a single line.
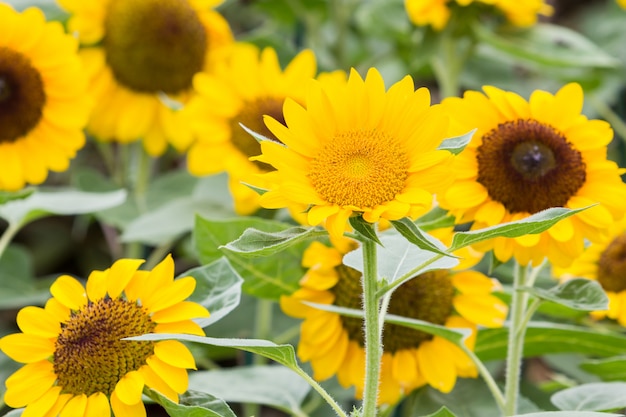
[(622, 3), (437, 13), (76, 362), (604, 262), (357, 149), (529, 156), (334, 344), (250, 85), (143, 54), (43, 105)]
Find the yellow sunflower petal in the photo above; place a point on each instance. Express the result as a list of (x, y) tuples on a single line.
[(27, 348), (326, 366), (29, 383), (120, 409), (435, 364), (175, 377), (38, 321), (404, 366), (129, 388), (168, 296), (156, 382), (69, 292), (43, 404), (98, 405), (185, 327), (75, 407), (120, 274), (185, 310), (175, 353), (486, 310), (97, 285)]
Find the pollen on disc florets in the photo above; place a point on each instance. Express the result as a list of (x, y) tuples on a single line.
[(89, 354), (22, 95), (529, 166), (612, 265), (251, 116), (361, 168), (154, 45), (426, 297)]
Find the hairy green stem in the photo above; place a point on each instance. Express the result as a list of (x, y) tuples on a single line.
[(517, 332), (321, 391), (7, 236), (373, 340)]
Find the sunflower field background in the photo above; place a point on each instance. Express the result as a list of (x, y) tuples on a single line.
[(313, 208)]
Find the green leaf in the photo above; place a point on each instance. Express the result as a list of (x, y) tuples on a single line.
[(218, 288), (537, 223), (18, 286), (413, 234), (548, 44), (568, 414), (437, 218), (455, 336), (165, 220), (597, 396), (398, 257), (257, 243), (265, 277), (275, 386), (192, 404), (6, 196), (62, 202), (443, 412), (259, 137), (364, 228), (283, 354), (547, 337), (455, 145), (611, 369), (579, 294)]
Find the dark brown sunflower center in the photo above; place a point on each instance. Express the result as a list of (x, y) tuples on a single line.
[(612, 265), (22, 95), (427, 297), (251, 116), (529, 166), (89, 356), (154, 45)]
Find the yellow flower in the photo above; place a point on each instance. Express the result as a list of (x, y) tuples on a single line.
[(77, 364), (43, 108), (334, 344), (529, 156), (142, 54), (622, 3), (357, 149), (604, 262), (436, 13), (251, 84)]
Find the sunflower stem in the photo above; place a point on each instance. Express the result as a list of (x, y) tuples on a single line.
[(487, 377), (517, 331), (321, 391), (373, 339), (7, 236), (447, 66)]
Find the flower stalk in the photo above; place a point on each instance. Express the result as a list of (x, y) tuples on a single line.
[(373, 333)]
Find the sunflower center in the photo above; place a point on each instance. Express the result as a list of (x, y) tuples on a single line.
[(612, 265), (529, 166), (427, 297), (360, 168), (251, 116), (154, 45), (90, 356), (22, 95)]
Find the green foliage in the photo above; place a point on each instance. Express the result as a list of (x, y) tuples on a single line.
[(192, 404), (413, 234), (455, 145), (579, 294), (600, 396), (609, 369), (364, 228), (265, 277)]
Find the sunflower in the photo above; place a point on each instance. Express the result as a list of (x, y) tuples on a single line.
[(529, 156), (251, 84), (141, 55), (604, 262), (43, 108), (76, 362), (436, 13), (357, 149), (334, 344), (622, 3)]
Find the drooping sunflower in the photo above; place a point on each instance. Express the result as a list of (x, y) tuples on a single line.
[(248, 86), (527, 156), (437, 13), (76, 362), (604, 262), (334, 344), (141, 56), (43, 105), (357, 149)]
